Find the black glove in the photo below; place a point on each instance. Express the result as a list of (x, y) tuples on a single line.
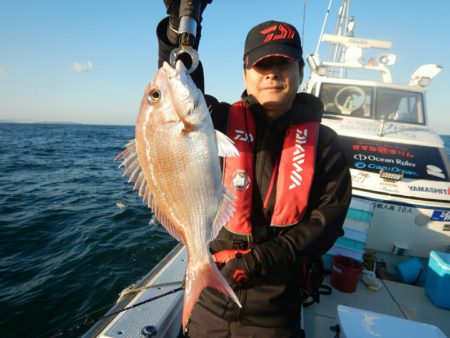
[(240, 270), (173, 7)]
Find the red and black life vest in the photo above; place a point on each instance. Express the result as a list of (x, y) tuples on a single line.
[(295, 171)]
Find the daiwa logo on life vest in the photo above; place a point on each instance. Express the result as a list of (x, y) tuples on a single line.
[(298, 158), (277, 32), (243, 136)]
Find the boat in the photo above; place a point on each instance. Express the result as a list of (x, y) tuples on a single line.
[(399, 166), (400, 175)]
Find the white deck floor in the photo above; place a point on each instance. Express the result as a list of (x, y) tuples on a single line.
[(394, 299)]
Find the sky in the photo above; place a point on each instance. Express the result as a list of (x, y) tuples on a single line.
[(89, 61)]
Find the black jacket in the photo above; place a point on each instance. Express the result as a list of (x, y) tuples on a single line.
[(273, 299)]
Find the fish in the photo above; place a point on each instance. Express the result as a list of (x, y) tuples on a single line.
[(174, 164)]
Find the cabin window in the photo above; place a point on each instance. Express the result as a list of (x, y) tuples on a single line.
[(350, 100), (372, 102), (399, 106)]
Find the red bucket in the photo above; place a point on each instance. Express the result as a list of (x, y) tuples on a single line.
[(345, 273)]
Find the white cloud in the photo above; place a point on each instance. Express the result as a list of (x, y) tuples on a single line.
[(78, 67), (2, 70)]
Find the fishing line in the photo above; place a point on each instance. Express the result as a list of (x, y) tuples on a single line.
[(304, 18), (87, 320)]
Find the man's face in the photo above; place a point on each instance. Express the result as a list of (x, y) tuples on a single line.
[(274, 82)]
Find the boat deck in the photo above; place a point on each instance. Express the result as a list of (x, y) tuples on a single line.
[(394, 299)]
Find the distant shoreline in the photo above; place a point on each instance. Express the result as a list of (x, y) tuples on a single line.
[(90, 124), (64, 123)]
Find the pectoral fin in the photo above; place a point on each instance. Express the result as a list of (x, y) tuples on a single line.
[(224, 213), (225, 146)]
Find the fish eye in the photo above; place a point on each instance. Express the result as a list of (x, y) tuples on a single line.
[(154, 96)]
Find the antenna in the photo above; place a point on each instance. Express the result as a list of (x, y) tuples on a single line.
[(323, 25)]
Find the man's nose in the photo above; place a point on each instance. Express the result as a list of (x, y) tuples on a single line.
[(273, 72)]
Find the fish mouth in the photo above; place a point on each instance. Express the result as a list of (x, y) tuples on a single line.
[(181, 71), (170, 71)]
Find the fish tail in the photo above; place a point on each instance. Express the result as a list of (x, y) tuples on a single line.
[(199, 277)]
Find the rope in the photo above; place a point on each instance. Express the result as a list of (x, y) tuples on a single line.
[(140, 303), (88, 321), (131, 289)]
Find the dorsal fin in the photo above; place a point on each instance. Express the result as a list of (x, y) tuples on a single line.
[(138, 179), (134, 171)]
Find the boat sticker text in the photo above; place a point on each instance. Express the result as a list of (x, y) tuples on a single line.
[(396, 208), (441, 215), (383, 149), (412, 161), (431, 190)]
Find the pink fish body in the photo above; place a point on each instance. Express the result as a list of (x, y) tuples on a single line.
[(174, 162)]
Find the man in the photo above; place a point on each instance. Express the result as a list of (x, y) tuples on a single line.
[(291, 183)]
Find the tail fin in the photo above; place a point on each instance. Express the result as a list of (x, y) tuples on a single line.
[(198, 277)]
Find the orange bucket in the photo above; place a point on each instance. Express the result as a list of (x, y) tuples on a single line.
[(345, 273)]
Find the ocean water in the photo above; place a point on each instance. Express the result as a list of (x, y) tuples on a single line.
[(73, 234)]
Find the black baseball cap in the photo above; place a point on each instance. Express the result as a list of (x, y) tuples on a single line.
[(272, 38)]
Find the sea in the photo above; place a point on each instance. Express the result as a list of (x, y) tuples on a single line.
[(73, 233)]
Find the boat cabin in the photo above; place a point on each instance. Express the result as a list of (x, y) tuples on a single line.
[(399, 167)]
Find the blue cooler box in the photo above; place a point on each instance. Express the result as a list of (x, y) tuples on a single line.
[(437, 283)]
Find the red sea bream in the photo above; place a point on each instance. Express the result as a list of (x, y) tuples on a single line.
[(174, 162)]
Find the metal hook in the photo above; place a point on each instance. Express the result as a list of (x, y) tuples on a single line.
[(193, 54)]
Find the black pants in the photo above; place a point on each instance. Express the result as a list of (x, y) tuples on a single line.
[(204, 324)]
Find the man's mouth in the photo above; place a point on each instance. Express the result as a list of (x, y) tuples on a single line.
[(279, 87)]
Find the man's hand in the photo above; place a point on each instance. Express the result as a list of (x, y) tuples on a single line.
[(239, 270)]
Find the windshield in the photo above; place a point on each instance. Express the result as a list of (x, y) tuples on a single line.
[(375, 103), (398, 105)]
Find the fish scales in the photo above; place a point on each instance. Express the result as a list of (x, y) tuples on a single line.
[(178, 185)]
